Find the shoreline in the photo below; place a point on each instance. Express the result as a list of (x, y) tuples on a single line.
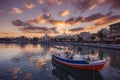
[(96, 45)]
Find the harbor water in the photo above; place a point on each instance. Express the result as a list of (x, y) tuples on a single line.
[(33, 62)]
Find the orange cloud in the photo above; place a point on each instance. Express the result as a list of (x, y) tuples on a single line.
[(10, 34), (42, 30), (64, 13), (17, 34), (50, 2), (29, 4), (39, 20), (32, 21), (59, 23), (98, 19), (106, 20), (83, 18), (16, 10), (89, 28), (46, 18), (101, 1), (41, 1), (92, 7), (53, 1)]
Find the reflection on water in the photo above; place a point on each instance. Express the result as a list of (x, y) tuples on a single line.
[(33, 62), (67, 73)]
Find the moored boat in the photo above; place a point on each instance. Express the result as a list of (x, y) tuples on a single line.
[(63, 72), (78, 62)]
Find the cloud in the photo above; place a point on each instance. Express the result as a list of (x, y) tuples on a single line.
[(26, 27), (9, 34), (34, 29), (84, 5), (64, 13), (88, 28), (16, 10), (92, 7), (46, 18), (76, 29), (29, 4), (74, 20), (6, 33), (94, 17), (115, 4), (18, 23), (91, 18), (59, 23), (53, 1), (102, 19), (106, 20), (1, 11), (32, 21), (81, 29), (40, 19), (41, 1), (49, 4), (97, 20), (59, 2), (80, 19)]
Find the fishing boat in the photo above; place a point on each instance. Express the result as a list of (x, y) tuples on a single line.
[(77, 61), (63, 72)]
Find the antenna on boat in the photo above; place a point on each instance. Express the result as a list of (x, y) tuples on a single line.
[(88, 59)]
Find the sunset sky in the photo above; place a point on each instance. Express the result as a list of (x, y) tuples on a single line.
[(38, 17)]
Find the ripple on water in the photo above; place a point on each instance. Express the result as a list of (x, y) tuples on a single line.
[(111, 73)]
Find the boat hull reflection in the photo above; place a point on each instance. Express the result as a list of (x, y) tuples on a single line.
[(63, 72)]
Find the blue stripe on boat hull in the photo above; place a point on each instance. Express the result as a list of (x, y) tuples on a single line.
[(70, 61)]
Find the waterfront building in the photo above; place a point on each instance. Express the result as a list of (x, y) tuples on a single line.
[(46, 37), (95, 38), (86, 36), (105, 32), (115, 30)]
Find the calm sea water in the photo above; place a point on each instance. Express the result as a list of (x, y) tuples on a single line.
[(33, 62)]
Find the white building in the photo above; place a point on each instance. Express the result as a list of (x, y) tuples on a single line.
[(115, 30), (105, 32), (86, 36), (46, 37)]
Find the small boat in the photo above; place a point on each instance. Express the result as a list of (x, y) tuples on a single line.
[(78, 62), (63, 72)]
